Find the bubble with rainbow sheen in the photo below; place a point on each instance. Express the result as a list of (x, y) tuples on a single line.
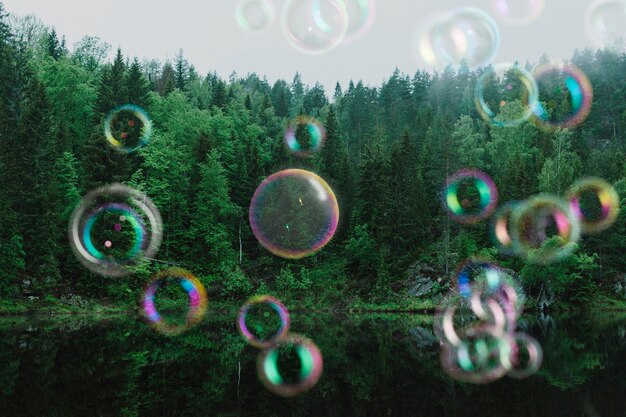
[(605, 22), (290, 367), (314, 26), (294, 213), (545, 228), (361, 17), (470, 196), (500, 229), (305, 136), (595, 203), (513, 95), (525, 356), (478, 359), (197, 301), (127, 128), (466, 34), (255, 15), (518, 12), (558, 83), (113, 229), (256, 325)]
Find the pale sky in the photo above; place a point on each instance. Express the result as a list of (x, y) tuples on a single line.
[(213, 41)]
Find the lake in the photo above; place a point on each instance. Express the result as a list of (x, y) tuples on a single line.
[(374, 365)]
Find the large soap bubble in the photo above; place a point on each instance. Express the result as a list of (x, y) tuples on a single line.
[(294, 213)]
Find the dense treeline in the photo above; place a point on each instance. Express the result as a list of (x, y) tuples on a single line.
[(387, 154)]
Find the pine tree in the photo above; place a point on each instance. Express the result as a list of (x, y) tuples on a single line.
[(136, 86), (182, 71), (54, 48), (214, 215), (167, 81)]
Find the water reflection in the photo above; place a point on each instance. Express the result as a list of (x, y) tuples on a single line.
[(374, 366)]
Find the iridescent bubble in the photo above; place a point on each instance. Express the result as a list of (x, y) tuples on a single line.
[(255, 15), (305, 136), (197, 301), (525, 356), (606, 22), (518, 12), (290, 367), (465, 35), (113, 229), (362, 14), (470, 196), (595, 203), (500, 228), (294, 213), (128, 128), (478, 358), (545, 228), (506, 95), (559, 84), (314, 26), (262, 331)]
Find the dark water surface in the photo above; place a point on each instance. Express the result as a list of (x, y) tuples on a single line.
[(373, 366)]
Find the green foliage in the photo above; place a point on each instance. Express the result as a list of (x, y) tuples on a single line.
[(387, 155)]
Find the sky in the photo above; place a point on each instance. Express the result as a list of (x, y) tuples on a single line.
[(212, 39)]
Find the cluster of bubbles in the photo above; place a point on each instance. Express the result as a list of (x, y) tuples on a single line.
[(606, 22), (197, 301), (113, 229), (545, 228), (294, 213), (127, 128), (509, 95), (476, 324), (311, 26), (264, 322), (466, 34)]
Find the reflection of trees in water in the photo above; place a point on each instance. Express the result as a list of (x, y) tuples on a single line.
[(373, 365)]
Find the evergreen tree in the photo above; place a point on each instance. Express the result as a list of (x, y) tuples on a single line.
[(137, 86)]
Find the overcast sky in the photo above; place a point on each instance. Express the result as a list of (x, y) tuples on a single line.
[(212, 40)]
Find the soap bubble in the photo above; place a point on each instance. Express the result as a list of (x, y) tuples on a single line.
[(559, 84), (595, 203), (518, 12), (128, 128), (294, 213), (362, 14), (257, 321), (470, 196), (290, 367), (314, 26), (305, 136), (506, 95), (466, 34), (255, 15), (197, 301), (113, 229), (545, 228), (606, 22)]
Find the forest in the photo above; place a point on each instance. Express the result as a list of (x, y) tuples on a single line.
[(387, 154)]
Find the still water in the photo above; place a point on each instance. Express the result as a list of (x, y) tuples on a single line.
[(374, 365)]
